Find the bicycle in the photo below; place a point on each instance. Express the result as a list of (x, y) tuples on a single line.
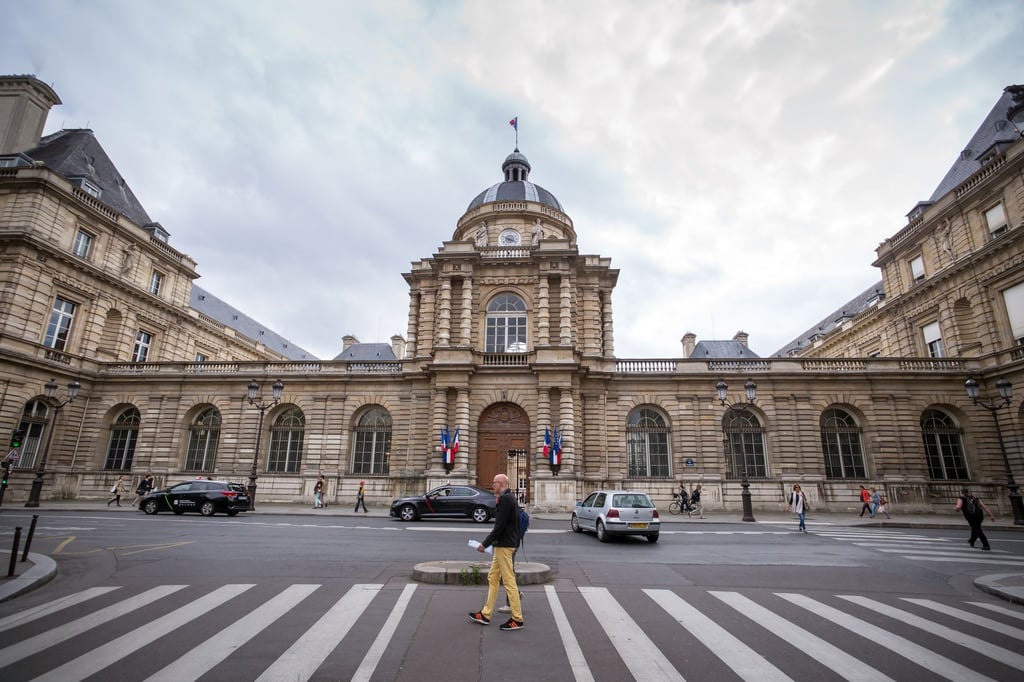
[(676, 506)]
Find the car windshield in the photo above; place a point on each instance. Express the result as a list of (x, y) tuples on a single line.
[(631, 501)]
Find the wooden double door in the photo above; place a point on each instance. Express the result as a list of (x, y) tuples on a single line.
[(504, 447)]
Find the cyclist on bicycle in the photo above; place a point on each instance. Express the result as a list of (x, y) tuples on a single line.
[(684, 498)]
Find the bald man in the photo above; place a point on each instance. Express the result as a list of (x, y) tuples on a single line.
[(504, 537)]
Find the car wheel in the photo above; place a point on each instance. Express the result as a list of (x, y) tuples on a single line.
[(207, 509), (574, 523), (602, 534), (233, 513), (480, 514), (652, 538), (407, 512), (150, 507)]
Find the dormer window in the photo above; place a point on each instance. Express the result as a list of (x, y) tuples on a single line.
[(157, 231), (995, 219), (87, 186)]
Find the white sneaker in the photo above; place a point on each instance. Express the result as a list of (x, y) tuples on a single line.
[(505, 609)]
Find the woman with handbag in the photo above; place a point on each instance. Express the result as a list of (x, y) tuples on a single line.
[(797, 502), (116, 491)]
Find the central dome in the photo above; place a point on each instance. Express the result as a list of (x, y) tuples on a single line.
[(516, 186)]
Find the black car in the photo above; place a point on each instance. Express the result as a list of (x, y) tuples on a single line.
[(448, 501), (203, 496)]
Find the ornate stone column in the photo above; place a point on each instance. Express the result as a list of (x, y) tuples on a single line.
[(543, 421), (413, 324), (608, 328), (566, 417), (565, 313), (462, 423), (466, 313), (444, 314), (435, 463), (543, 312)]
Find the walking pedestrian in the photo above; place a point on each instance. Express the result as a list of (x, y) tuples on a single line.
[(974, 511), (318, 493), (145, 485), (116, 491), (865, 501), (876, 501), (504, 537), (361, 497), (883, 506), (698, 506), (797, 502)]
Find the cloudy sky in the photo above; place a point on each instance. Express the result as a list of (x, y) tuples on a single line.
[(738, 161)]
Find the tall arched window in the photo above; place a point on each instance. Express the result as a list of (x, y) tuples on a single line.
[(840, 443), (506, 325), (943, 447), (33, 422), (744, 445), (286, 436), (647, 444), (124, 433), (203, 436), (371, 444)]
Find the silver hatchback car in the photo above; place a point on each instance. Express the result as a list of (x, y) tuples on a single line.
[(617, 512)]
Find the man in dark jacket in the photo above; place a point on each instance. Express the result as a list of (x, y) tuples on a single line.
[(504, 537)]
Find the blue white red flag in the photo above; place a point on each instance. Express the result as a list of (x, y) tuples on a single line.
[(514, 123), (446, 451), (547, 441), (455, 443), (556, 449)]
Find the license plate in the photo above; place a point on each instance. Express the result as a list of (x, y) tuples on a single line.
[(638, 525)]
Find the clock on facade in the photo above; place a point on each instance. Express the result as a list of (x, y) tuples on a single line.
[(509, 238)]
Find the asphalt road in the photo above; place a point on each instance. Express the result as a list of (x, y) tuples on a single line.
[(329, 598)]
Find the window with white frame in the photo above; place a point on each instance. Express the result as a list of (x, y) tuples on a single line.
[(917, 268), (124, 434), (83, 244), (995, 219), (506, 325), (200, 357), (59, 328), (143, 341), (286, 436), (943, 447), (155, 282), (203, 437), (841, 444), (371, 443), (744, 445), (1013, 299), (933, 340)]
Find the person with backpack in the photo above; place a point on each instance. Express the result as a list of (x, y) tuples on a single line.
[(505, 538), (974, 511)]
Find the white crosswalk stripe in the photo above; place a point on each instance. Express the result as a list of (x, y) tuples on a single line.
[(923, 548), (759, 636)]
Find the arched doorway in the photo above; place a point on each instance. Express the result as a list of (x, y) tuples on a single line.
[(504, 429)]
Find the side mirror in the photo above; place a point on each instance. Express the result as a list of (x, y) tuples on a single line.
[(579, 503)]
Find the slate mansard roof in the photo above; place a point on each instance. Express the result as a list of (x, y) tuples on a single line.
[(204, 302), (864, 300), (516, 186)]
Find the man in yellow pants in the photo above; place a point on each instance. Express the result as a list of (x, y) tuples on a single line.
[(504, 537)]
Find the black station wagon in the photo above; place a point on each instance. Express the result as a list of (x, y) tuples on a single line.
[(454, 501), (202, 496)]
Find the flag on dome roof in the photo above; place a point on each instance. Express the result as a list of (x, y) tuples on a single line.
[(514, 123)]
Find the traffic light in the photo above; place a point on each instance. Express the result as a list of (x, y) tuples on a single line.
[(16, 438), (3, 476)]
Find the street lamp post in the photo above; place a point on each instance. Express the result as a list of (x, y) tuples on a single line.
[(50, 391), (723, 393), (254, 394), (993, 405)]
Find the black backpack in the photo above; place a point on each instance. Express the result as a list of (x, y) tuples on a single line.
[(971, 506), (524, 525)]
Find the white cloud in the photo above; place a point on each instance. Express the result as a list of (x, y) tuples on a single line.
[(739, 162)]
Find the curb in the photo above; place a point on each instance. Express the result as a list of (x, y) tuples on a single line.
[(471, 572), (991, 584), (43, 570)]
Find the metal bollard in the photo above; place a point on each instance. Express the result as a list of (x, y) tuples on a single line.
[(14, 550), (28, 540)]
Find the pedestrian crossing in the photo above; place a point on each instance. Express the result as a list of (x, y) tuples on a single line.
[(923, 548), (365, 631)]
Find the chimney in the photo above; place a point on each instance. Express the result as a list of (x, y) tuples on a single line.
[(689, 341), (25, 101), (348, 341), (741, 336), (398, 346)]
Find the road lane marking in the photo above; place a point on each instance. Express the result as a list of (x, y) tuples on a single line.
[(998, 609), (28, 615), (34, 645), (832, 657), (62, 545), (980, 621), (1012, 561), (204, 657), (927, 659), (577, 663), (365, 670), (976, 644), (644, 660), (744, 661), (301, 660)]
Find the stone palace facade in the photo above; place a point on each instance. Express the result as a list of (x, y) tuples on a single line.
[(510, 337)]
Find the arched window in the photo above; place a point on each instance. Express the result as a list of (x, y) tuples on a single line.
[(943, 447), (840, 443), (371, 447), (203, 436), (647, 444), (286, 436), (33, 422), (124, 433), (744, 445), (506, 325)]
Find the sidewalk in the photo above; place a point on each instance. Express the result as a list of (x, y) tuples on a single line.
[(39, 569)]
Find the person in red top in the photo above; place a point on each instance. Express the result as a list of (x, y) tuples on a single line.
[(865, 501)]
